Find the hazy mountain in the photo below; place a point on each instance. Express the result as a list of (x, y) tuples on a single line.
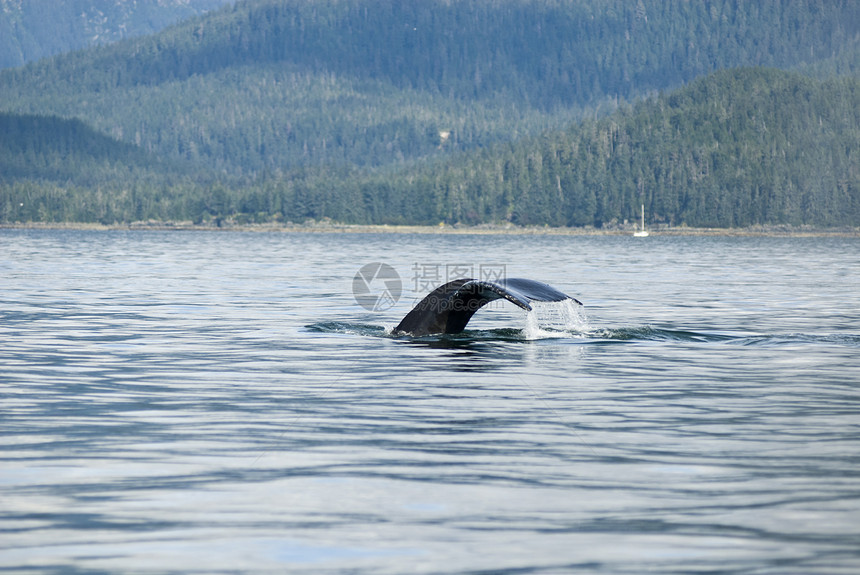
[(33, 29)]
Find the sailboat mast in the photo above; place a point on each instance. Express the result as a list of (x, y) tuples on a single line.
[(642, 233)]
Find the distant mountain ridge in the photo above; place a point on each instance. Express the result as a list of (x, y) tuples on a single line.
[(298, 104), (34, 29), (273, 85)]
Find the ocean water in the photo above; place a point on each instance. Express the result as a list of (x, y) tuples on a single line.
[(222, 402)]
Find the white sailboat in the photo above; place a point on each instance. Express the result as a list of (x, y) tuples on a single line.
[(643, 233)]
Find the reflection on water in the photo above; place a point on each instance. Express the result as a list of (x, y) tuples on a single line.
[(218, 402)]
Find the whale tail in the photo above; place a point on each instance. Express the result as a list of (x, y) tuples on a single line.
[(449, 307)]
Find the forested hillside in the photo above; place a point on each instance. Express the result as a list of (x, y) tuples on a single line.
[(276, 84), (737, 148), (460, 111), (33, 29), (54, 170), (51, 148)]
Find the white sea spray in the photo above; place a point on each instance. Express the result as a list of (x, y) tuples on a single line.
[(555, 319)]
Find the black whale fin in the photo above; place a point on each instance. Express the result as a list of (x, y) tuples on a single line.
[(449, 307)]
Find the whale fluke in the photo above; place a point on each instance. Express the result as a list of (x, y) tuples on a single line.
[(449, 307)]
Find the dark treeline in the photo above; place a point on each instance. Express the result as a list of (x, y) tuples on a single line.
[(737, 148)]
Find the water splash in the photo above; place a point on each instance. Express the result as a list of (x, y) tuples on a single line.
[(555, 319)]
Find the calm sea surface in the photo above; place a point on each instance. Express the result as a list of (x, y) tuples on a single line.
[(201, 402)]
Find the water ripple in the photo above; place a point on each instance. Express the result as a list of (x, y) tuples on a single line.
[(218, 403)]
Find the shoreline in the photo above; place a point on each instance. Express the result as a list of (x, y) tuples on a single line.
[(327, 227)]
